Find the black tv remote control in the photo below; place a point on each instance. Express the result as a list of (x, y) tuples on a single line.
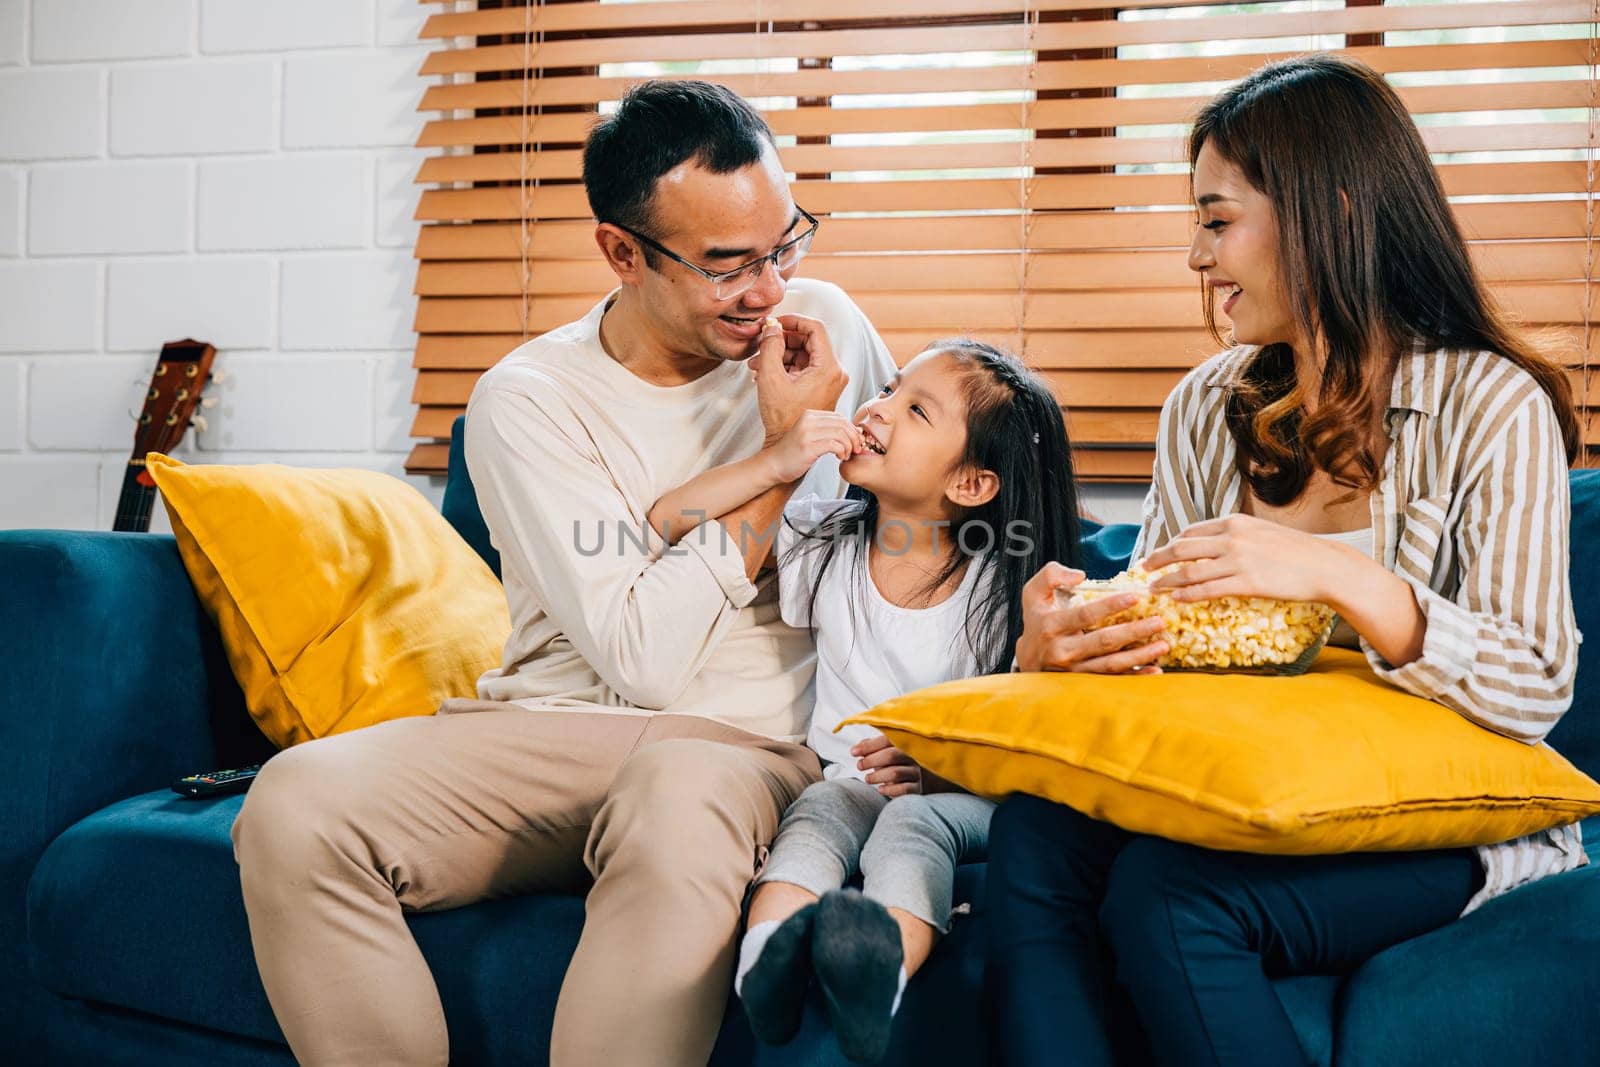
[(216, 783)]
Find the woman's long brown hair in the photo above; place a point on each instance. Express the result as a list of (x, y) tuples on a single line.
[(1371, 261)]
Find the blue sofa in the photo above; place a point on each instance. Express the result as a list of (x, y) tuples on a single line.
[(123, 938)]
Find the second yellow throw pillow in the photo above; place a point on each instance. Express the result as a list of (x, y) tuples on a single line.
[(1334, 760), (342, 596)]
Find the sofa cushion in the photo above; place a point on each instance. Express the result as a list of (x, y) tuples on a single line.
[(1512, 984), (138, 906)]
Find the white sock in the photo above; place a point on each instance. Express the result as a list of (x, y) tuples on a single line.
[(898, 993), (755, 939)]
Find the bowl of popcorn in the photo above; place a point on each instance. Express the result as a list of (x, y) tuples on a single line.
[(1248, 634)]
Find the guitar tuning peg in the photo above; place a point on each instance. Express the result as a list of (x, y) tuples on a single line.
[(209, 402), (219, 376), (198, 422)]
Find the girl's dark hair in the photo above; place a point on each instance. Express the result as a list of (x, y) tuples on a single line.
[(1015, 429), (1369, 257)]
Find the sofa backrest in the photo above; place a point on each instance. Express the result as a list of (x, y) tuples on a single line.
[(460, 507), (1106, 549), (1577, 735)]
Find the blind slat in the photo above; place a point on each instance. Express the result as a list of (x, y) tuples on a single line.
[(569, 128), (1077, 152), (974, 272), (922, 40), (1555, 303), (1044, 76), (565, 18), (1059, 191), (1079, 230)]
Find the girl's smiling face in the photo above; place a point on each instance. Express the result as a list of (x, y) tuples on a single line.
[(1235, 249), (916, 432)]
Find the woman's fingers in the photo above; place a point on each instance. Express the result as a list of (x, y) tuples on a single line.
[(1071, 651), (1040, 590), (1184, 548), (1124, 662), (1192, 574), (1089, 614)]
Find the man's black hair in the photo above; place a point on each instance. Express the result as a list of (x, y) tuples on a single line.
[(658, 126)]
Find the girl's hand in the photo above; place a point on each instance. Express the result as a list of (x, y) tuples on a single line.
[(817, 433), (1242, 555), (1056, 636), (893, 772)]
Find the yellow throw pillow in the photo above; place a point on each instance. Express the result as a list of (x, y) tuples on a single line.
[(1334, 760), (342, 596)]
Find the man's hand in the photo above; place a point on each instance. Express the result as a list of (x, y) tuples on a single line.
[(795, 372), (1056, 636), (893, 772)]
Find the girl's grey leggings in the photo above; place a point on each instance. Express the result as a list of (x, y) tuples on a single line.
[(906, 848)]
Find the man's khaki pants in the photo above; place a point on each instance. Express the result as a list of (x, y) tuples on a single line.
[(662, 819)]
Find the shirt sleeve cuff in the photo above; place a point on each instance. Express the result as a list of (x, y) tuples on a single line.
[(1449, 647), (720, 551)]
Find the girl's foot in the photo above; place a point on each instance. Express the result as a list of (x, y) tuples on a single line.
[(773, 988), (856, 951)]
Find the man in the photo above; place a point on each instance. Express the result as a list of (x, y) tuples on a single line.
[(640, 740)]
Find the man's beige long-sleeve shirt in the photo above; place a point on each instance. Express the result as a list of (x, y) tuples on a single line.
[(568, 451)]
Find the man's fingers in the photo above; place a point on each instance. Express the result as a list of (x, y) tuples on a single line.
[(769, 357)]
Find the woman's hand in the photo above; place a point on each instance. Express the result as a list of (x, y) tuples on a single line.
[(1056, 636), (817, 433), (1242, 555), (893, 772)]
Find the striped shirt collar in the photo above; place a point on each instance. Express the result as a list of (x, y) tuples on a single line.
[(1418, 384)]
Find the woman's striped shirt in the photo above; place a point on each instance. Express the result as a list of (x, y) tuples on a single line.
[(1471, 510)]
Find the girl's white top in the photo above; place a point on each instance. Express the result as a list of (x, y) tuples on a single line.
[(868, 650)]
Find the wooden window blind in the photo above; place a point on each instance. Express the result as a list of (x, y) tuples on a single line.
[(1012, 169)]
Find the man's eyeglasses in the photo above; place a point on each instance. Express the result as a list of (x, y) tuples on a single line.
[(739, 280)]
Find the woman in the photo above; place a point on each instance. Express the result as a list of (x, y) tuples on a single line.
[(1380, 441)]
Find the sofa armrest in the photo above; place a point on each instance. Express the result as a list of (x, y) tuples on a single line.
[(113, 682)]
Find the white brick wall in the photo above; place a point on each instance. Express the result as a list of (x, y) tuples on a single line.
[(66, 30), (10, 213), (231, 170), (116, 207), (13, 31), (178, 108), (52, 113), (252, 26), (315, 201)]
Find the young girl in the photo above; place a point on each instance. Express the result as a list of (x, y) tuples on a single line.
[(962, 487), (1380, 441)]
